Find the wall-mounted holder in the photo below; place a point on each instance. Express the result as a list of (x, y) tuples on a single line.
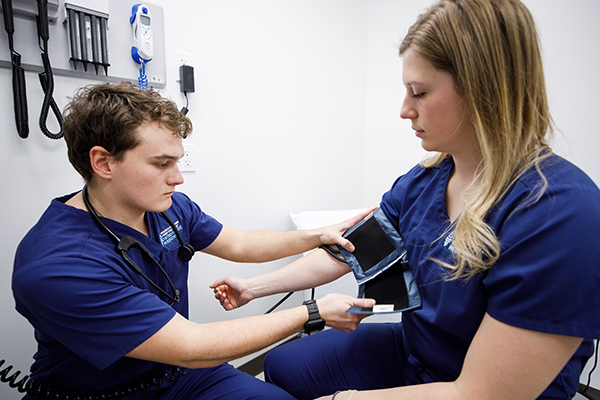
[(29, 9), (88, 37), (115, 64)]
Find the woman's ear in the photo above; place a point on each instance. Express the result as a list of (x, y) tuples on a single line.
[(100, 162)]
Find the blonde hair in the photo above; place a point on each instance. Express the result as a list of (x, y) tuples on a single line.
[(492, 50)]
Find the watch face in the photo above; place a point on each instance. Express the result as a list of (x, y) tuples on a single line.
[(312, 307)]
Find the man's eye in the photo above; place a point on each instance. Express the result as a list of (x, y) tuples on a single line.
[(418, 95)]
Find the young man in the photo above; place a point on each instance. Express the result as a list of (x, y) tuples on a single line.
[(106, 287)]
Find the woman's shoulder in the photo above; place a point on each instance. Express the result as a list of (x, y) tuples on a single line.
[(555, 182), (557, 179), (556, 171), (421, 185)]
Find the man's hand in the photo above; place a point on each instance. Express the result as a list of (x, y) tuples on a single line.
[(333, 234), (231, 292), (333, 309)]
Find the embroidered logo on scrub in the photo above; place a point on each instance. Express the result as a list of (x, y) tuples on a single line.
[(449, 242), (167, 235)]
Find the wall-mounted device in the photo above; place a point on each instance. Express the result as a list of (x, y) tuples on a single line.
[(186, 83), (45, 76), (142, 49), (84, 35)]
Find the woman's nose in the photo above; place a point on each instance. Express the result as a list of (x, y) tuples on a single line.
[(406, 110)]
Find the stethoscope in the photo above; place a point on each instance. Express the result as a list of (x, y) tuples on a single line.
[(185, 252)]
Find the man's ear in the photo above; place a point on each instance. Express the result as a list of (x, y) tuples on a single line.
[(100, 162)]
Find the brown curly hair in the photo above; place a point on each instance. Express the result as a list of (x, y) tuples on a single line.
[(108, 115)]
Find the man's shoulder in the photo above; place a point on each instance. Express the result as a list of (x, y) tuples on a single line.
[(60, 231)]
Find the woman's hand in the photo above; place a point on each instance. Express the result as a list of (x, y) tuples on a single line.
[(231, 292)]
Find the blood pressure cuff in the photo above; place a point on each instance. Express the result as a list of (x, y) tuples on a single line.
[(379, 264)]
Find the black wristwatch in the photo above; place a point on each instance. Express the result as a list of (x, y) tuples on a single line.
[(315, 323)]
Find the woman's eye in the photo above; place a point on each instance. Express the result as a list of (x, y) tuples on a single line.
[(417, 95)]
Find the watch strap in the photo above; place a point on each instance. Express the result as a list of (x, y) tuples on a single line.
[(315, 323)]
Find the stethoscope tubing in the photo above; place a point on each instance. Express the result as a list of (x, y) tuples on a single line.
[(123, 244)]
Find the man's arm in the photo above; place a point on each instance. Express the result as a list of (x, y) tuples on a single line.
[(188, 344), (265, 245)]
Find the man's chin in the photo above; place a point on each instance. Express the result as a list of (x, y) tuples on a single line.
[(163, 206)]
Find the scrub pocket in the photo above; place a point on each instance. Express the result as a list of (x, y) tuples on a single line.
[(379, 264)]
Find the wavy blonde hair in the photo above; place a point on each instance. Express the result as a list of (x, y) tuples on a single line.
[(491, 48)]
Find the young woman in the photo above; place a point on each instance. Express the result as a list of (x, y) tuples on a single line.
[(500, 233)]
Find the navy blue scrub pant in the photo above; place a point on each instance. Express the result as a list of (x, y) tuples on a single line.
[(371, 357), (223, 382)]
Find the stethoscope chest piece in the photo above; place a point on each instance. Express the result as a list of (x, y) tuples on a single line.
[(185, 252)]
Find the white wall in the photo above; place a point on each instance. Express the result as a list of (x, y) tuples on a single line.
[(278, 115), (296, 108)]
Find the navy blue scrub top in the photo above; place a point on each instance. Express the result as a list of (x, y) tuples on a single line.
[(545, 279), (87, 306)]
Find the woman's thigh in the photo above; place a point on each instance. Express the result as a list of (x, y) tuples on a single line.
[(369, 358)]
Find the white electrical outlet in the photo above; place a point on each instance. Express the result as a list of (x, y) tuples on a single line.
[(182, 58), (186, 163)]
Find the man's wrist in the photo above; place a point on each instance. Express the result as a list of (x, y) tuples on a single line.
[(315, 237), (315, 323)]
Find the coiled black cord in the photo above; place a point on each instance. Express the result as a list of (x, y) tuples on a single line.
[(18, 74), (19, 96), (11, 380), (47, 83), (43, 391), (46, 78)]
